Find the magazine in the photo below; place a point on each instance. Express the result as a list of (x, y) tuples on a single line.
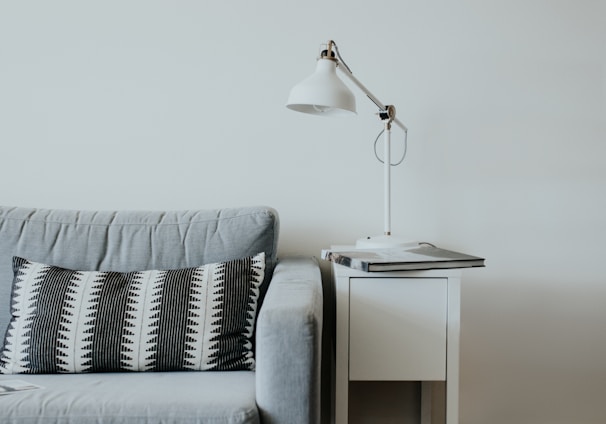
[(8, 387)]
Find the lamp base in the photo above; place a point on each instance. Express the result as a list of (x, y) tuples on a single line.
[(384, 241)]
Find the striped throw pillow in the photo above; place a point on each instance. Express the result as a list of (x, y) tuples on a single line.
[(66, 321)]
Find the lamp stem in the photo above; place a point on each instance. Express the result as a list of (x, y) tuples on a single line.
[(387, 179)]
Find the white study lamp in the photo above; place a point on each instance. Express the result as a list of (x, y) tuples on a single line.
[(323, 93)]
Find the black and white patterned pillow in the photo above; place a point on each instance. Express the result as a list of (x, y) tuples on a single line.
[(66, 321)]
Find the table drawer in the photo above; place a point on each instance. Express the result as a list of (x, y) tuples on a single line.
[(397, 328)]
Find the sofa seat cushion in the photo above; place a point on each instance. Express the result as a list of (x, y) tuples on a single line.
[(134, 398)]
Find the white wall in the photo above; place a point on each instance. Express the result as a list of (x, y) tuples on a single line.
[(180, 104)]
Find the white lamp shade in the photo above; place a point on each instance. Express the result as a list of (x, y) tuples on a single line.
[(322, 93)]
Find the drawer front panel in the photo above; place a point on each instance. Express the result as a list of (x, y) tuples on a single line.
[(397, 328)]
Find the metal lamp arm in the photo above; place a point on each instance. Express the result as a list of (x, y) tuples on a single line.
[(371, 96), (390, 110)]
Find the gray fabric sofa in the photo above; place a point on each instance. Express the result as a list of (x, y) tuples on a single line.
[(284, 386)]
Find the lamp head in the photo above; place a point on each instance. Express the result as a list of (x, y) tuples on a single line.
[(323, 92)]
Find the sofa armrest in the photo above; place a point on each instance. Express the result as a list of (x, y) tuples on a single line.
[(288, 344)]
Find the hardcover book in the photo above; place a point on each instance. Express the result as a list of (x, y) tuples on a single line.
[(422, 257)]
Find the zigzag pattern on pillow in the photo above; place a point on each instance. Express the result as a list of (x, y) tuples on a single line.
[(66, 321)]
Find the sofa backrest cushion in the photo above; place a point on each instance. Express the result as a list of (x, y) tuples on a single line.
[(126, 241)]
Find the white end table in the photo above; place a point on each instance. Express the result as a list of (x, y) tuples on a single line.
[(398, 326)]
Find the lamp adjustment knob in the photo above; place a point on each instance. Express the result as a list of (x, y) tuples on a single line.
[(389, 114)]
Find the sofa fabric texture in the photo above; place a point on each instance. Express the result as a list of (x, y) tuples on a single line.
[(283, 388), (225, 397)]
